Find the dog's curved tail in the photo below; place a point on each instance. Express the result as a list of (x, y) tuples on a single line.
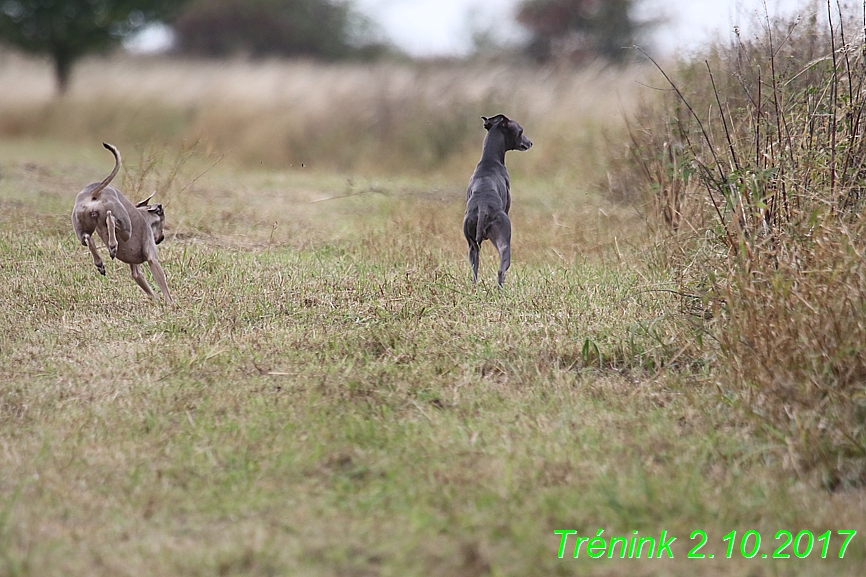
[(94, 194), (480, 223)]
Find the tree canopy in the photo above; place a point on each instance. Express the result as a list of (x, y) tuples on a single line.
[(579, 30), (327, 29), (69, 29)]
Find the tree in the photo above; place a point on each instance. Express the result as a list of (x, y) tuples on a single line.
[(327, 29), (66, 30), (580, 29)]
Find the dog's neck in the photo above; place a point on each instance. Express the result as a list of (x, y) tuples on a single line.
[(494, 149)]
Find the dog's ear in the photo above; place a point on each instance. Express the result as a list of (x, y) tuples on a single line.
[(499, 119), (145, 201)]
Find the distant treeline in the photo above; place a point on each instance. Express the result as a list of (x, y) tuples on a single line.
[(573, 31)]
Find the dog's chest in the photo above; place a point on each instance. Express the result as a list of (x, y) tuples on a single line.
[(131, 253)]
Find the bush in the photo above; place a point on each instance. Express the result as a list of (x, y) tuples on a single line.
[(754, 163)]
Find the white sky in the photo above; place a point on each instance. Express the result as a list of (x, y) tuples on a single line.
[(444, 27)]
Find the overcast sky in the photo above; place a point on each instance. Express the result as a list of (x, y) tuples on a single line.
[(427, 27)]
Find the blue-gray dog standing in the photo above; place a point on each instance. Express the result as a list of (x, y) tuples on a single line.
[(488, 197)]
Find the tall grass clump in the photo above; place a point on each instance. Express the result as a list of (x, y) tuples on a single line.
[(754, 159)]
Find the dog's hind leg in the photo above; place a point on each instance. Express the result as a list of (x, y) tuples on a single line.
[(474, 250), (470, 226), (122, 225), (138, 277), (87, 240), (111, 224), (500, 236)]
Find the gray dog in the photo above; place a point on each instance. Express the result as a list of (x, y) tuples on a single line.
[(131, 232), (488, 197)]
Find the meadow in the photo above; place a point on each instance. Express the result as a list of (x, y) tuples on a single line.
[(331, 395)]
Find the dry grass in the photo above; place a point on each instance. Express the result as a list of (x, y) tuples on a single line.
[(380, 118), (338, 400)]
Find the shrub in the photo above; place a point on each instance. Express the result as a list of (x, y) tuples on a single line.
[(755, 166)]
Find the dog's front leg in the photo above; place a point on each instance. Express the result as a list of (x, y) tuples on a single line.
[(87, 240), (111, 223), (159, 276), (138, 277)]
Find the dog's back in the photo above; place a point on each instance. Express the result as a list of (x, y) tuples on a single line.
[(487, 195)]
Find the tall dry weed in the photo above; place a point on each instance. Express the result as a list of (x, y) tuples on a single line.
[(754, 159)]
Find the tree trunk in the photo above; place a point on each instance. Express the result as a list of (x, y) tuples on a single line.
[(62, 70)]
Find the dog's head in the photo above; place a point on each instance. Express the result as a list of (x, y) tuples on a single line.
[(513, 132), (154, 216)]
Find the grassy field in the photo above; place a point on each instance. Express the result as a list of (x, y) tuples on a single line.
[(332, 396)]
